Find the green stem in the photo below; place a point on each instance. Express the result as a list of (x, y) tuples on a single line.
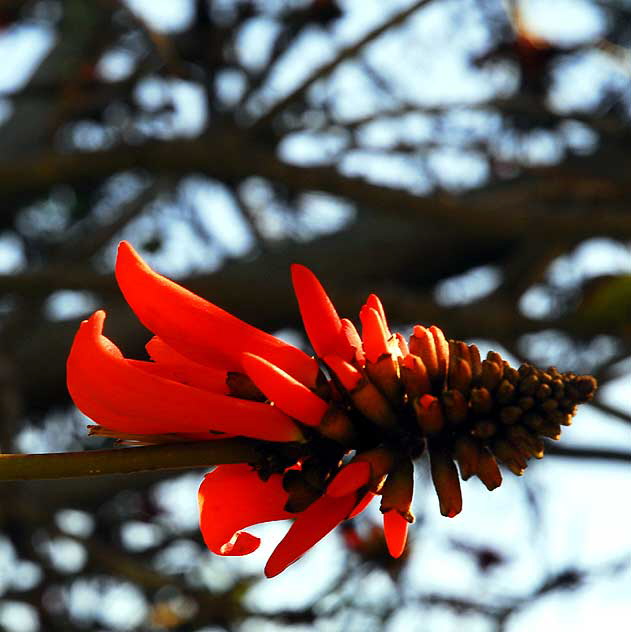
[(22, 467)]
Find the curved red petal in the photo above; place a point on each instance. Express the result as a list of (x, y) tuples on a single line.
[(198, 329), (349, 479), (291, 396), (350, 335), (319, 316), (107, 388), (310, 527), (395, 529), (199, 376), (233, 497)]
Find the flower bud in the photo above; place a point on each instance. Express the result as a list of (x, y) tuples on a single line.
[(446, 482), (467, 452), (488, 470), (429, 414)]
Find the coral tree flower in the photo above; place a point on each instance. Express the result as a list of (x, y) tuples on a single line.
[(358, 414)]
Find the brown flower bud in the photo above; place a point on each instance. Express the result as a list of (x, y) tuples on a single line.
[(510, 456), (481, 401), (454, 406), (398, 489), (414, 376), (467, 452), (446, 482), (488, 470), (459, 374), (491, 374), (505, 392), (429, 414), (384, 373)]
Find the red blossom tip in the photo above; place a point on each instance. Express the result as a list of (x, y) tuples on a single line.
[(374, 333), (309, 528), (395, 529), (321, 321)]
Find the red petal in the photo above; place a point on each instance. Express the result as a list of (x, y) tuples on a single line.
[(374, 334), (232, 497), (395, 528), (310, 527), (354, 341), (374, 302), (320, 319), (288, 394), (110, 390), (199, 376), (198, 329), (349, 479)]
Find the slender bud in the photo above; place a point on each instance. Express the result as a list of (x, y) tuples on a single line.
[(414, 376), (475, 362), (459, 374), (398, 489), (446, 482), (467, 453), (488, 470), (505, 392), (366, 397), (454, 406), (491, 374), (422, 344), (510, 456), (429, 414), (481, 401)]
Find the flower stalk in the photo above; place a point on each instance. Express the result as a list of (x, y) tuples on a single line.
[(171, 456)]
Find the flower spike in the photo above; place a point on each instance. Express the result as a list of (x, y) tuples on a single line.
[(372, 410)]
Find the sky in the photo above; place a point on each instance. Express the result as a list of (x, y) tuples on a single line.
[(585, 521)]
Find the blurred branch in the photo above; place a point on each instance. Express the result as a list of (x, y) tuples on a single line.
[(554, 449), (343, 55), (231, 156), (22, 467)]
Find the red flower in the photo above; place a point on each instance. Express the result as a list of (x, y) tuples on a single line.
[(357, 424)]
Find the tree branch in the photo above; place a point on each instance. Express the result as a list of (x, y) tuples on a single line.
[(343, 55)]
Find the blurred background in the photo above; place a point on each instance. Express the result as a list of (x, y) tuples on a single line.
[(467, 160)]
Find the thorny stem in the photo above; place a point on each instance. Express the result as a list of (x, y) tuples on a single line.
[(15, 467)]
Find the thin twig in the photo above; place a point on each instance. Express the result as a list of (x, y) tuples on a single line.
[(344, 54)]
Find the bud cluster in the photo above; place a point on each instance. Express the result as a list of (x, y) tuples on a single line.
[(394, 399)]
